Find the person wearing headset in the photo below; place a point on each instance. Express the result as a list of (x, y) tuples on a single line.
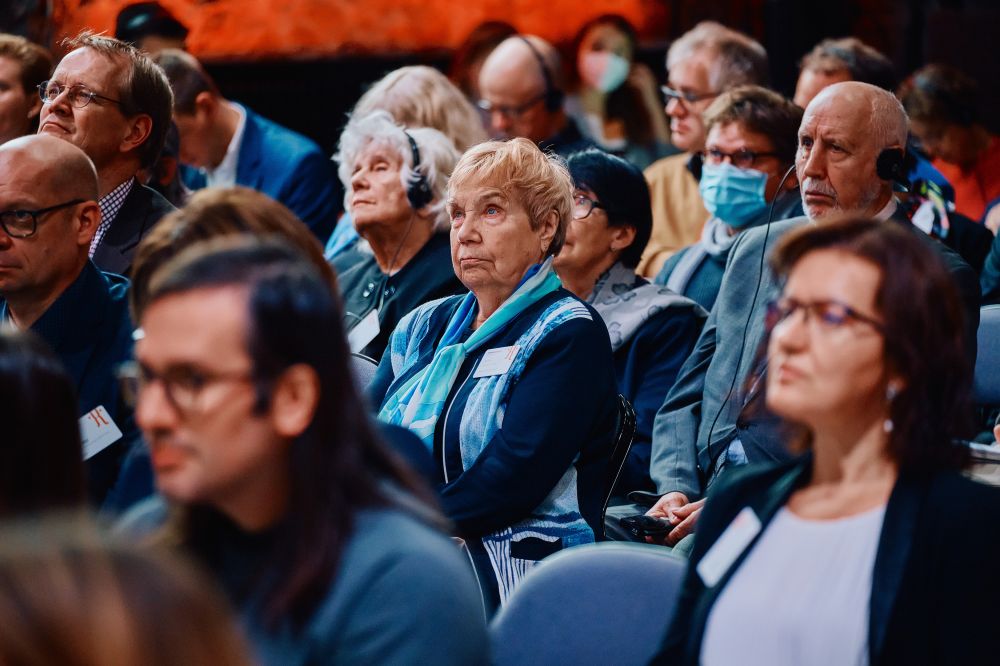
[(849, 156), (522, 96), (395, 180)]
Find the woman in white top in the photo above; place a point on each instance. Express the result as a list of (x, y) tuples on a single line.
[(871, 547)]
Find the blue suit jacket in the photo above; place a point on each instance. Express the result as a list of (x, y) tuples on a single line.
[(287, 167)]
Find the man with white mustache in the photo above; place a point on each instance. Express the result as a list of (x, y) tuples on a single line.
[(851, 137)]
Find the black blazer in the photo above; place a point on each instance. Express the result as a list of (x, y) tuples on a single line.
[(143, 207), (935, 589)]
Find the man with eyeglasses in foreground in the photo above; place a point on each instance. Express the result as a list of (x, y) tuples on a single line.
[(48, 216), (711, 419), (703, 63), (522, 88), (110, 100)]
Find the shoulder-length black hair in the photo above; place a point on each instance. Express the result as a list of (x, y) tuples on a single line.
[(41, 459), (337, 464), (923, 330)]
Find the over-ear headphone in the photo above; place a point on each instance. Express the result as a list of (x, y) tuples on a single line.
[(553, 96), (418, 191), (890, 165)]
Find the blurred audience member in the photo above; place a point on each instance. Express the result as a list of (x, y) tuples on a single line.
[(396, 179), (276, 480), (616, 101), (165, 175), (230, 145), (751, 145), (49, 213), (23, 66), (844, 59), (989, 280), (705, 62), (41, 460), (150, 27), (101, 91), (468, 59), (512, 385), (943, 105), (652, 329), (851, 552), (415, 96), (702, 428), (523, 90), (71, 596)]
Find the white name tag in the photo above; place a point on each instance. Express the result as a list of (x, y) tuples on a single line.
[(496, 362), (98, 431), (728, 547), (366, 331)]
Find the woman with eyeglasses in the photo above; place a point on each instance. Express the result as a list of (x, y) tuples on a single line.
[(652, 329), (751, 142), (871, 546)]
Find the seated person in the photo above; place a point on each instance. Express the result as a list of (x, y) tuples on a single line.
[(49, 215), (512, 386), (749, 150), (396, 180), (652, 329), (850, 552), (273, 477), (41, 460), (943, 105)]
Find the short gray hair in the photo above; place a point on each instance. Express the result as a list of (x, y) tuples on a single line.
[(437, 155), (737, 58), (890, 124)]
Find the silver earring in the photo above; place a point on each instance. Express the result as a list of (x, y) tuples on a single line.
[(891, 391)]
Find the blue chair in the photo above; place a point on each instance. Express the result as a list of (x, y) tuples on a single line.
[(604, 603), (986, 386)]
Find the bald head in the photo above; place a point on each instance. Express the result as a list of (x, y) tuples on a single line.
[(886, 119), (513, 86), (55, 165)]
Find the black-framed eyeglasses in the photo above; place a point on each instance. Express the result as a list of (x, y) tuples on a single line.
[(182, 385), (825, 314), (741, 158), (686, 95), (583, 206), (24, 223), (512, 112), (77, 95)]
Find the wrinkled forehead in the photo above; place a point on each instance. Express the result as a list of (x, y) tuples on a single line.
[(848, 116), (92, 68)]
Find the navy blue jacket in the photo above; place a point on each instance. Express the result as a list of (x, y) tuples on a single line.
[(287, 167), (89, 329)]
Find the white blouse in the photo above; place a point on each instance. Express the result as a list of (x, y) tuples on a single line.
[(801, 596)]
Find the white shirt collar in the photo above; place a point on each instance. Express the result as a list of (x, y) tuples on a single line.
[(224, 175)]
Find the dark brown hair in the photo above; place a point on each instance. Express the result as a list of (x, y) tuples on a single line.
[(941, 95), (187, 77), (924, 333), (761, 111)]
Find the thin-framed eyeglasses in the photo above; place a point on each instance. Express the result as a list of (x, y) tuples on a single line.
[(182, 385), (686, 95), (24, 223), (512, 112), (825, 315), (77, 95), (583, 206), (742, 158)]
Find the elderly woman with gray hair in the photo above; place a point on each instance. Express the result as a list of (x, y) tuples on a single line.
[(512, 386), (395, 180)]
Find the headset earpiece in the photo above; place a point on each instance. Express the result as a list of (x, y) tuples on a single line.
[(418, 192), (890, 165), (553, 96)]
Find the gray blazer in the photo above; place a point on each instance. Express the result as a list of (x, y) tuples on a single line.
[(701, 413)]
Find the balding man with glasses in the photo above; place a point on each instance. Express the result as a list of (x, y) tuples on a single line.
[(48, 285), (703, 63), (111, 101)]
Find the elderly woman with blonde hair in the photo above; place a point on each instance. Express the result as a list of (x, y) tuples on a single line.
[(512, 386), (395, 179)]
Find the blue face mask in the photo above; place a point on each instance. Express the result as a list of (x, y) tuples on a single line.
[(734, 195)]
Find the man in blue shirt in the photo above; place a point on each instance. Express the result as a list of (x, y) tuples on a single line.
[(48, 216)]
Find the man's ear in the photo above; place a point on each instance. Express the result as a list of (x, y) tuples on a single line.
[(36, 106), (622, 237), (139, 129), (88, 218), (206, 105), (294, 400)]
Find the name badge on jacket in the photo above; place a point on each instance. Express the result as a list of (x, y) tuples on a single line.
[(716, 562), (496, 362), (98, 431)]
